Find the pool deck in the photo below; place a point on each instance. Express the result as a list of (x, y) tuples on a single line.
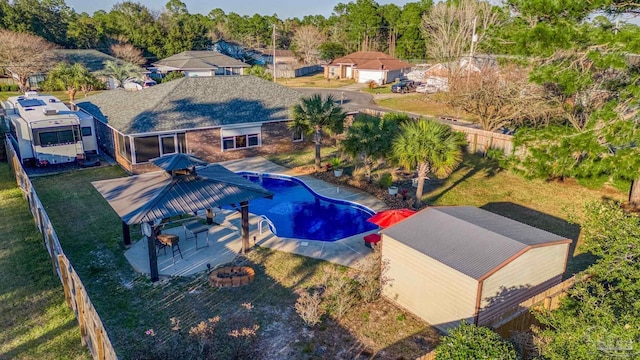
[(225, 241)]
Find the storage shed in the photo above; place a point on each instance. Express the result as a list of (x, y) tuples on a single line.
[(448, 264)]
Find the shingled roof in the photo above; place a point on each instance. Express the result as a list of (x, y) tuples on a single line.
[(199, 60), (191, 103), (471, 240), (372, 60), (93, 60)]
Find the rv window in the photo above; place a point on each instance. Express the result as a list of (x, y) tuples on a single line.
[(66, 137), (48, 138), (52, 138), (86, 131)]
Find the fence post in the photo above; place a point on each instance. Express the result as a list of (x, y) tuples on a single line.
[(42, 229), (64, 274), (81, 315), (99, 344), (52, 251)]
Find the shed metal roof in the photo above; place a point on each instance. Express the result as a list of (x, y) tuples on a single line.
[(191, 103), (468, 239), (158, 195)]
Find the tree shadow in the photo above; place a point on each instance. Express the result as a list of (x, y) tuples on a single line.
[(550, 223), (475, 162)]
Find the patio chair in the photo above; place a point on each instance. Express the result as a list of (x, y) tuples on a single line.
[(195, 227)]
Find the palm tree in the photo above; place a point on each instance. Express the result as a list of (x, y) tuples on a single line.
[(428, 146), (122, 73), (316, 116), (70, 78), (370, 137)]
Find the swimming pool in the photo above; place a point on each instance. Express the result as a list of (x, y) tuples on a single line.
[(298, 212)]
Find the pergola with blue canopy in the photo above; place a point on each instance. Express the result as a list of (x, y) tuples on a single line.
[(185, 187)]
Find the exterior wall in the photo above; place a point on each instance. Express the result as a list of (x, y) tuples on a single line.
[(522, 278), (207, 144), (275, 138), (431, 290), (202, 73)]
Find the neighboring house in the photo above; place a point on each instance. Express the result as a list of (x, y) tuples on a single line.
[(439, 74), (215, 118), (201, 63), (44, 131), (93, 60), (365, 66), (449, 264), (265, 56)]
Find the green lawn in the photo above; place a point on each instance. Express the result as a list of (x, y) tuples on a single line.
[(317, 80), (129, 305), (421, 104), (35, 320)]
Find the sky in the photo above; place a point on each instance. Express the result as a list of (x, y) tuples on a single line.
[(283, 8)]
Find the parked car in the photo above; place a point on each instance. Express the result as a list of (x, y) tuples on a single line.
[(403, 86)]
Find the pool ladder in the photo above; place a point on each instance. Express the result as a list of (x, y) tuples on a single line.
[(264, 219)]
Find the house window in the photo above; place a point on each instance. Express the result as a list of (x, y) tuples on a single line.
[(124, 146), (147, 148), (240, 141), (86, 131), (241, 138), (168, 144), (298, 135)]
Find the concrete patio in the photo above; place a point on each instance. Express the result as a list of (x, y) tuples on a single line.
[(225, 241)]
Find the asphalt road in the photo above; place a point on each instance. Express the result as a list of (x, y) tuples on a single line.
[(351, 100)]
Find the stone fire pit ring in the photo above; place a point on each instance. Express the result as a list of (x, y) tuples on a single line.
[(232, 276)]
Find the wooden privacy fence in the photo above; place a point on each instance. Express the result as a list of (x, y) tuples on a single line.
[(520, 318), (92, 330), (479, 141)]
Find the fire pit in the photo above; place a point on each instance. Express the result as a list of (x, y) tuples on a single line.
[(231, 276)]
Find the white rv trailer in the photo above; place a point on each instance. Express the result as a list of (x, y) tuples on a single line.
[(45, 131)]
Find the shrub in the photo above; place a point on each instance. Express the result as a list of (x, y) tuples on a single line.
[(372, 84), (385, 180), (173, 76), (14, 87), (371, 278), (467, 341), (4, 87), (341, 294), (308, 307)]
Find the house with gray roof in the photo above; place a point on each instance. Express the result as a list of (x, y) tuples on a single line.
[(201, 63), (456, 263), (214, 118)]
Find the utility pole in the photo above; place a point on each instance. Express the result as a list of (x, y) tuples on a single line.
[(474, 38), (274, 52)]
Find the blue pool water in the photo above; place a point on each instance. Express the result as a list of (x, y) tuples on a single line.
[(299, 213)]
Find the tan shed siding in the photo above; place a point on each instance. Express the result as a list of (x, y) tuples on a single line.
[(522, 276), (431, 290)]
